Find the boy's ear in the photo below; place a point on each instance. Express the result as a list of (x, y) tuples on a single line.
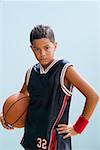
[(55, 44), (31, 46)]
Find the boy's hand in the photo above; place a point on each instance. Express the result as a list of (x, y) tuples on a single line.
[(4, 124), (67, 130)]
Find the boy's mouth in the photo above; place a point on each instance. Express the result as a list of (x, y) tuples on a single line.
[(43, 59)]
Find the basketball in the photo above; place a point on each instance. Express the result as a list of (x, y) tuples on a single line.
[(15, 109)]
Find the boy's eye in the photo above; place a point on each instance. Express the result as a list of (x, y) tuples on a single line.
[(36, 49), (46, 48)]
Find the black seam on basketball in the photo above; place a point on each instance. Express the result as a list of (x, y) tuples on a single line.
[(19, 117), (11, 106)]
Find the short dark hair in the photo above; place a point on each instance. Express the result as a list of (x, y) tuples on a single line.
[(42, 31)]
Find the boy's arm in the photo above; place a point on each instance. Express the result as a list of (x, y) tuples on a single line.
[(25, 86), (81, 84), (24, 91), (92, 98)]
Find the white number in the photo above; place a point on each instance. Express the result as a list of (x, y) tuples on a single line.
[(41, 143), (44, 144)]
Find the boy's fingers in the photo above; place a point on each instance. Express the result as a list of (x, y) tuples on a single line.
[(7, 126), (66, 136), (62, 125), (10, 126), (62, 128), (63, 131)]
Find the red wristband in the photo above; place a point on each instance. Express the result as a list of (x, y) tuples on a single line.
[(80, 124)]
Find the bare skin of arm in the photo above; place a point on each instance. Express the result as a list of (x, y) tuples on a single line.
[(92, 98), (24, 87)]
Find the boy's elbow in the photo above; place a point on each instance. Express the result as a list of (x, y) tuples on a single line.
[(95, 98)]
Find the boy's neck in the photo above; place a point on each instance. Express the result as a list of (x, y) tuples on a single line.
[(46, 66)]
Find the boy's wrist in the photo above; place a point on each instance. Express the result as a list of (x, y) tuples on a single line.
[(80, 124)]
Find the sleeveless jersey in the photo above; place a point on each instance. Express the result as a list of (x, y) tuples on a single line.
[(49, 106)]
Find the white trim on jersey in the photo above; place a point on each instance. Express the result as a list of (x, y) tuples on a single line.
[(65, 90), (28, 75), (42, 71)]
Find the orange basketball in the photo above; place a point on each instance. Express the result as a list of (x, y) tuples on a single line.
[(15, 109)]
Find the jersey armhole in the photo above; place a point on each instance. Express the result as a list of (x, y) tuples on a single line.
[(63, 87), (28, 75)]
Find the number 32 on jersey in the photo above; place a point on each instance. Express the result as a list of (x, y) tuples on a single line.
[(42, 143)]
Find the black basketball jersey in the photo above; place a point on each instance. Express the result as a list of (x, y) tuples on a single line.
[(49, 106)]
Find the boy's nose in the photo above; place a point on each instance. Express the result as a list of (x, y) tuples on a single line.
[(42, 53)]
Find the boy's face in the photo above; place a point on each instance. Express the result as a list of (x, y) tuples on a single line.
[(43, 50)]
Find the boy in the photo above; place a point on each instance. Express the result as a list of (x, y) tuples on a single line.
[(49, 84)]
